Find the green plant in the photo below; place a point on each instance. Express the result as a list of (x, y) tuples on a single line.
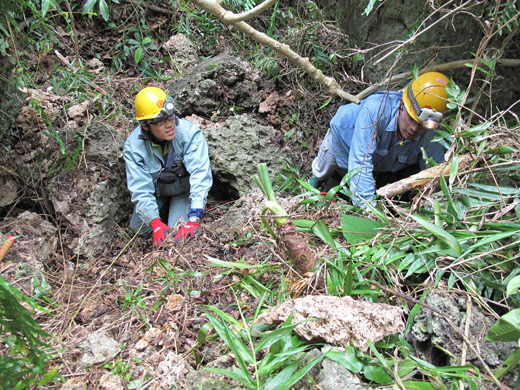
[(140, 45), (25, 362), (135, 301), (504, 14), (281, 352), (100, 5)]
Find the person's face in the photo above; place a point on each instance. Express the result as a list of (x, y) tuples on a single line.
[(407, 126), (163, 129)]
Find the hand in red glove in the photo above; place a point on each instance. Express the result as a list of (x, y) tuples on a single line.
[(331, 199), (160, 231), (186, 231)]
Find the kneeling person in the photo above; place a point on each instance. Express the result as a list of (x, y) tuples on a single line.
[(382, 137), (167, 168)]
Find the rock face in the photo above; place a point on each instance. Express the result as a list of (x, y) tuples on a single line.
[(90, 199), (218, 86), (451, 39), (77, 174), (430, 329), (11, 98), (236, 148), (339, 321)]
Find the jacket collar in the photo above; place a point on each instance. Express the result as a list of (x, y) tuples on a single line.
[(143, 135)]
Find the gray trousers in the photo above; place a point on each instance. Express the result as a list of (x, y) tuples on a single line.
[(324, 165), (179, 205)]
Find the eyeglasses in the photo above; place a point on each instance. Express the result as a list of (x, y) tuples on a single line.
[(163, 120), (408, 118)]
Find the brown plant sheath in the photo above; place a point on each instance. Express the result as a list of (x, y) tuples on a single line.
[(5, 247), (297, 249)]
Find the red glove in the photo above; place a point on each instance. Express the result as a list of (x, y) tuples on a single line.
[(160, 230), (331, 199), (186, 231)]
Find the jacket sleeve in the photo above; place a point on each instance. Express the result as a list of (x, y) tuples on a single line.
[(196, 160), (364, 142), (140, 184)]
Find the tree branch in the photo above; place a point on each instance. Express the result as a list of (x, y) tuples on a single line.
[(230, 18), (433, 68), (237, 21), (214, 8)]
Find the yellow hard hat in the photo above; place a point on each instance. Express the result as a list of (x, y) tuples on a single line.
[(151, 103), (425, 98)]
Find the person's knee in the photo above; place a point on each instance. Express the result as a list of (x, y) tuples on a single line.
[(137, 226)]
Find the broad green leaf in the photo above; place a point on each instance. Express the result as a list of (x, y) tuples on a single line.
[(488, 240), (323, 232), (103, 10), (233, 341), (279, 360), (89, 6), (513, 285), (45, 6), (502, 226), (303, 371), (280, 381), (306, 223), (377, 374), (454, 169), (269, 338), (492, 189), (236, 375), (326, 103), (439, 233), (501, 150), (356, 229), (475, 130), (230, 264), (407, 261), (347, 359), (375, 211), (507, 328), (415, 310), (138, 54), (451, 209), (51, 374)]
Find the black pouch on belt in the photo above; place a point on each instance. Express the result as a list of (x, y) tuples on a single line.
[(170, 175), (171, 172)]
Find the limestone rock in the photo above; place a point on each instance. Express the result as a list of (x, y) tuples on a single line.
[(99, 348), (235, 149), (339, 321)]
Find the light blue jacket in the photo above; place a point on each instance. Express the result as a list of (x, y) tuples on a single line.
[(365, 137), (144, 162)]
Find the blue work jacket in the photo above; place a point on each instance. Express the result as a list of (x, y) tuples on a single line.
[(365, 137), (144, 163)]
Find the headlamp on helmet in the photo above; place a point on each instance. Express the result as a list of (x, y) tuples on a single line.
[(153, 103), (425, 98), (168, 109), (430, 118)]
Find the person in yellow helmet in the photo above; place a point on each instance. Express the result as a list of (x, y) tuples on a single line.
[(167, 168), (381, 138)]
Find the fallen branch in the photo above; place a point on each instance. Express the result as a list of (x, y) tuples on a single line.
[(422, 178)]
